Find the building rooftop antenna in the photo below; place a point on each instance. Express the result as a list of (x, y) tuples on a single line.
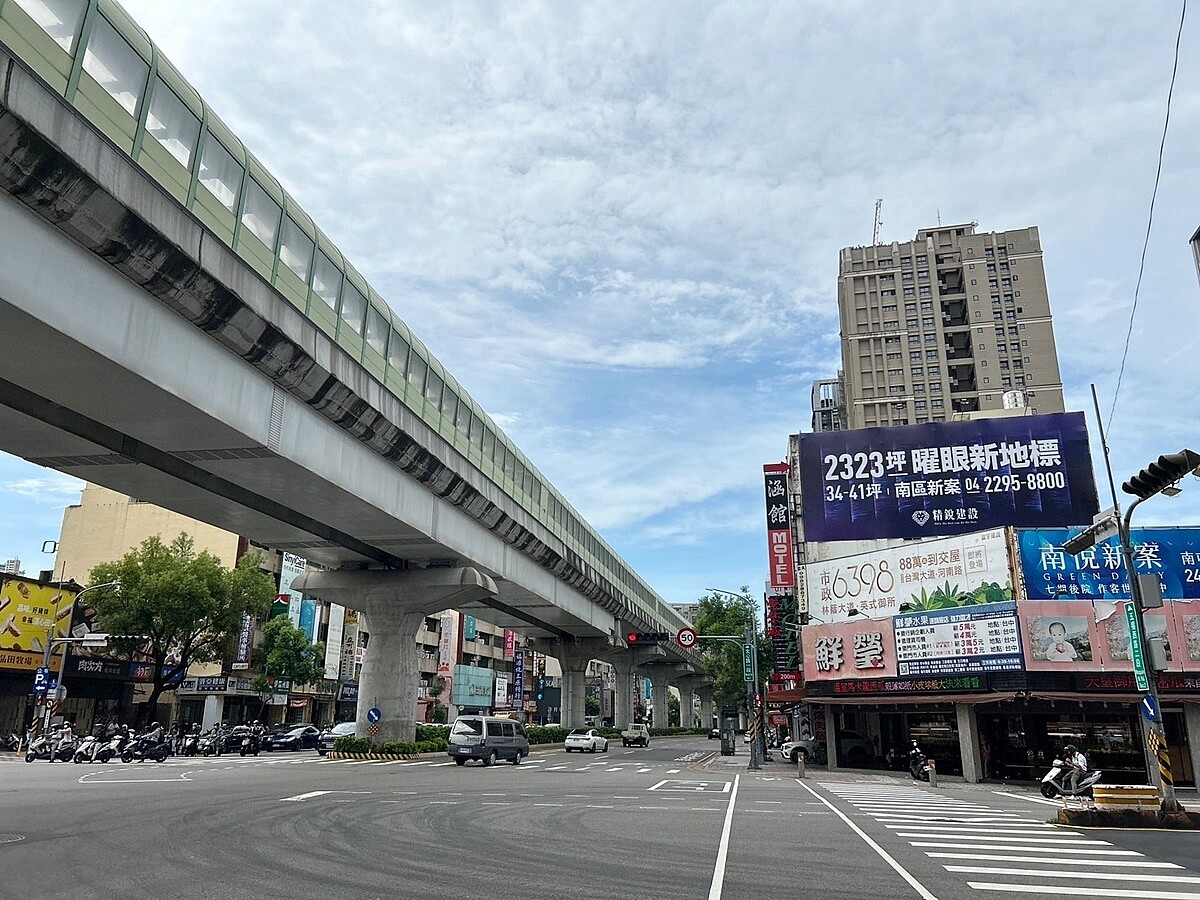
[(878, 221)]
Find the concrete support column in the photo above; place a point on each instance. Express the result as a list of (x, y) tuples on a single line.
[(626, 668), (394, 605), (574, 656), (968, 742), (659, 688), (1191, 724), (687, 704), (706, 707), (831, 744)]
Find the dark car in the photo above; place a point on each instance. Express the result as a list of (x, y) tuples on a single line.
[(301, 737), (273, 731), (330, 735), (714, 734)]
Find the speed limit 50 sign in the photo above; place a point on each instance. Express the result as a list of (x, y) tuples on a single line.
[(686, 638)]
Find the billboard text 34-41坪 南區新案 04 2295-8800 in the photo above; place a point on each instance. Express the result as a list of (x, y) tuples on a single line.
[(947, 478)]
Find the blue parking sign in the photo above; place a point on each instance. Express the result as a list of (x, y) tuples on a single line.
[(41, 680)]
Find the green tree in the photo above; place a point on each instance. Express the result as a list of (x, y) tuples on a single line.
[(673, 710), (591, 706), (186, 605), (728, 615), (285, 652), (439, 711)]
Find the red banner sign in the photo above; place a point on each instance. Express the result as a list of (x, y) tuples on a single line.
[(779, 526)]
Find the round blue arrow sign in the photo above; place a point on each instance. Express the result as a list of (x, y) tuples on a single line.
[(1149, 708), (374, 715)]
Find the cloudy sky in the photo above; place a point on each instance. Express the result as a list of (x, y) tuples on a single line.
[(618, 223)]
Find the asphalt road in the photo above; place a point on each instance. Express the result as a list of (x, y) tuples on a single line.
[(669, 821)]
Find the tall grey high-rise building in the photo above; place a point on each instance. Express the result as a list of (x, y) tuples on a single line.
[(952, 322)]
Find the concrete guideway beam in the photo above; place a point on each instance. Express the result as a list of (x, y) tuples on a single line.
[(394, 604), (661, 678)]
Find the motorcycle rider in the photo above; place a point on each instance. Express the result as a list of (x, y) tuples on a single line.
[(1077, 766), (66, 735), (916, 762)]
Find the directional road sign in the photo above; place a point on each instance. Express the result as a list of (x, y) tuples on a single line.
[(1149, 708), (41, 680), (374, 715), (686, 638), (748, 662)]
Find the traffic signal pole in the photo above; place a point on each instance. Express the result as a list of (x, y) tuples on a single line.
[(1160, 761)]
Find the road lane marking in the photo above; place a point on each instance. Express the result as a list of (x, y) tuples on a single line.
[(1002, 838), (1128, 863), (1028, 798), (548, 804), (673, 771), (1059, 873), (718, 879), (883, 854), (300, 798), (1025, 849), (1082, 891), (496, 803), (359, 762), (599, 806), (439, 765)]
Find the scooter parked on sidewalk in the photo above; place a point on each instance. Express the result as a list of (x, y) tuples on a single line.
[(1054, 782), (919, 764)]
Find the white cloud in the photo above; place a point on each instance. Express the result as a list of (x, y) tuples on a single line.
[(53, 489)]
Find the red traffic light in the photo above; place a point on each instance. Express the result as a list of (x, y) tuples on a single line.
[(648, 637), (632, 637)]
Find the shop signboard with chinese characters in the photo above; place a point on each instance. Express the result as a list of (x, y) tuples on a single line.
[(472, 686), (782, 620), (518, 678), (864, 649), (245, 642), (333, 641), (945, 478), (1050, 573), (510, 643), (960, 641), (779, 526), (932, 574), (501, 689), (291, 568), (29, 612)]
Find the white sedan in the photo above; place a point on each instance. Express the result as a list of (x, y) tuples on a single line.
[(588, 739)]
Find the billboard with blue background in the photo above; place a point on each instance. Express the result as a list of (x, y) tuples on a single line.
[(1050, 573), (947, 478)]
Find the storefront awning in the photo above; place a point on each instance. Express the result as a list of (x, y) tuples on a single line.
[(908, 699), (1077, 697), (786, 698)]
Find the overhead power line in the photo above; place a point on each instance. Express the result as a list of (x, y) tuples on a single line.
[(1150, 218)]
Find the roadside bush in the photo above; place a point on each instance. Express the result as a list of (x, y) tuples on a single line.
[(350, 744), (539, 734)]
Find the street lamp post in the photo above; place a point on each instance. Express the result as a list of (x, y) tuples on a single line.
[(92, 640), (1160, 477)]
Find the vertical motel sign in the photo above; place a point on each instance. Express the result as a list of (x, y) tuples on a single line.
[(779, 526)]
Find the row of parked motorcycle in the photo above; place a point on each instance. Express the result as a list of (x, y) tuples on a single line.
[(107, 743)]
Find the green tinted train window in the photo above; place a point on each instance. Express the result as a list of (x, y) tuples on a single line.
[(354, 307), (327, 278), (398, 354), (261, 215), (172, 124), (433, 390), (58, 18), (489, 444), (377, 330), (416, 372), (296, 249), (220, 173), (115, 65)]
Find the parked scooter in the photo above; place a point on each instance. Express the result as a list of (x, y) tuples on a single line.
[(149, 745), (918, 763), (1054, 782), (12, 743), (58, 745), (88, 749)]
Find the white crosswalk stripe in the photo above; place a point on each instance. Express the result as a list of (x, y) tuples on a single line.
[(1017, 853)]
